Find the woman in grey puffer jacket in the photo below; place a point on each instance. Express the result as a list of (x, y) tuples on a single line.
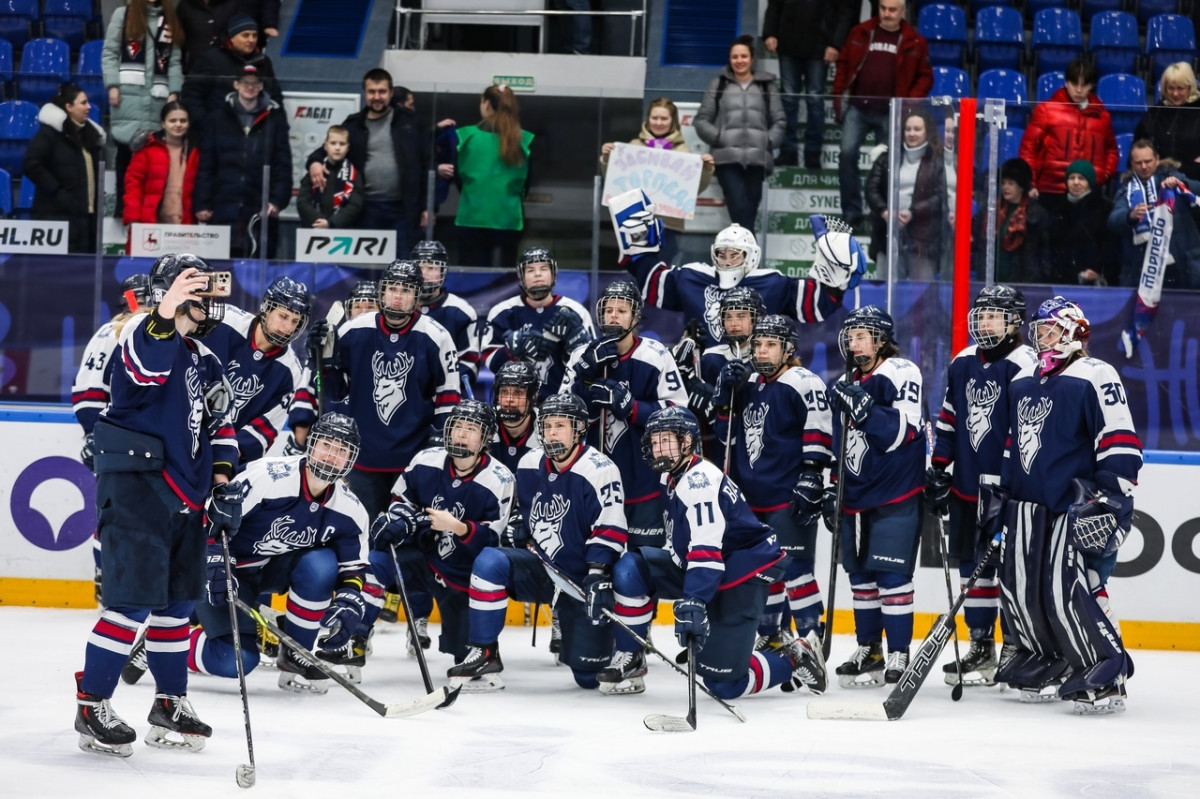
[(741, 118)]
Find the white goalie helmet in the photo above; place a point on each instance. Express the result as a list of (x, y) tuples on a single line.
[(839, 256), (731, 270)]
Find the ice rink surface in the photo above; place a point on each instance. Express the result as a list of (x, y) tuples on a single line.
[(542, 736)]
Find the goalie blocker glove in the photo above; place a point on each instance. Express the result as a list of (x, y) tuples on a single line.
[(1098, 521)]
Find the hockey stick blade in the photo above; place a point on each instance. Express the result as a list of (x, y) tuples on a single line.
[(439, 698), (245, 776), (657, 722)]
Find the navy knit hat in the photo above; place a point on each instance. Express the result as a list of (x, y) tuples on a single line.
[(240, 23)]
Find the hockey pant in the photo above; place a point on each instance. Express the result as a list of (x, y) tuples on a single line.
[(879, 552), (797, 596), (418, 579)]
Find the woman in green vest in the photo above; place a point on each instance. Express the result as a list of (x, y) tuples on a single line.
[(493, 176)]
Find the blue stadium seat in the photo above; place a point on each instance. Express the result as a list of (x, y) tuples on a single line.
[(18, 123), (6, 198), (1010, 143), (999, 38), (978, 5), (45, 65), (1125, 98), (950, 82), (1169, 38), (1090, 8), (6, 60), (1114, 41), (89, 74), (15, 16), (67, 20), (1048, 84), (24, 209), (1033, 7), (1057, 38), (1124, 144), (945, 29), (1008, 85), (1148, 9)]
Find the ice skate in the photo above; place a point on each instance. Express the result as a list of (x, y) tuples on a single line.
[(808, 666), (897, 662), (864, 669), (298, 675), (555, 635), (624, 674), (100, 729), (484, 684), (422, 627), (979, 665), (135, 667), (351, 657), (481, 660), (775, 642), (174, 725), (391, 604), (1102, 701)]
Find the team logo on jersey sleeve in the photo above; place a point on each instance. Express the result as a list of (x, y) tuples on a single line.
[(245, 387), (753, 420), (1031, 417), (856, 450), (391, 378), (282, 538), (546, 520), (712, 311), (195, 407), (277, 470), (980, 402)]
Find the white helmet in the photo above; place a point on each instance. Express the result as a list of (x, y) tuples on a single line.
[(735, 237)]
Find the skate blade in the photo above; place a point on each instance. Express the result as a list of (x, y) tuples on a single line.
[(871, 679), (162, 738), (89, 744), (294, 683), (483, 684), (1102, 707), (796, 684), (635, 685), (1033, 696), (353, 674), (973, 679)]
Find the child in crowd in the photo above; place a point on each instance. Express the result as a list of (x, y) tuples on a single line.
[(340, 203)]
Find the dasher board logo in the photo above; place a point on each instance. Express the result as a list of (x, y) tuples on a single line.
[(153, 240), (32, 236), (346, 246)]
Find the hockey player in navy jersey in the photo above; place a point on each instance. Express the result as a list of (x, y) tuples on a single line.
[(537, 325), (397, 371), (881, 507), (447, 309), (717, 566), (515, 392), (625, 377), (781, 448), (447, 507), (569, 497), (363, 298), (971, 431), (160, 446), (1065, 500), (303, 533)]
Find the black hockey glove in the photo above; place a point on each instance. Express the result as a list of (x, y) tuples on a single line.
[(852, 400), (691, 621), (806, 498), (216, 585), (612, 394), (992, 502), (598, 594), (733, 375), (937, 490), (684, 354), (1097, 520), (316, 343), (88, 453), (567, 326), (224, 509), (342, 618), (595, 357), (528, 344), (397, 525), (700, 398), (829, 509), (515, 535), (292, 447)]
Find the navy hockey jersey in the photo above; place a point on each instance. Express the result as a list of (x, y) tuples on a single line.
[(885, 457), (458, 317), (973, 424), (1073, 424), (515, 314), (576, 516), (713, 534), (713, 360), (510, 449), (90, 392), (482, 500)]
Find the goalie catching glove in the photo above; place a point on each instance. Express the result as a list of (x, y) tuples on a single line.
[(840, 261), (637, 229)]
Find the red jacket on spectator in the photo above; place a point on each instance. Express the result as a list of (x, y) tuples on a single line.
[(146, 180), (914, 75), (1059, 132)]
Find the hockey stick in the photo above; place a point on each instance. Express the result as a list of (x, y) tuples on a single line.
[(660, 723), (918, 668), (944, 553), (244, 775), (452, 694), (835, 548), (737, 354), (568, 587), (537, 612), (396, 711)]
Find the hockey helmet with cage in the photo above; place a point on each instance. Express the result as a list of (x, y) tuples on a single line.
[(431, 253), (874, 320), (521, 375), (740, 298), (332, 446), (469, 413), (731, 269), (1005, 301), (163, 274), (537, 255), (366, 293), (774, 326), (291, 296), (1073, 330), (625, 291), (399, 274), (575, 410), (680, 421), (139, 284)]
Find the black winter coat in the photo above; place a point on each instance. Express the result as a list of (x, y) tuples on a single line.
[(1081, 241), (54, 162), (205, 26), (1175, 131), (805, 28), (211, 80)]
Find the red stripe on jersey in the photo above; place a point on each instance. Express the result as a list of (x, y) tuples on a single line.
[(90, 394), (447, 398), (816, 437), (115, 631), (756, 670), (138, 376), (1120, 439), (704, 554), (807, 306), (611, 534), (178, 633), (487, 596), (652, 283), (307, 614), (947, 417), (751, 574)]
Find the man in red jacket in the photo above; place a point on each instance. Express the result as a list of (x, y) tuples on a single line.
[(881, 58)]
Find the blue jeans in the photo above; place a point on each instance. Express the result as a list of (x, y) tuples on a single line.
[(742, 187), (581, 25), (383, 214), (803, 75), (855, 127)]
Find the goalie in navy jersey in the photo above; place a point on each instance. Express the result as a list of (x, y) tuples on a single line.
[(1065, 505), (447, 507), (878, 406), (717, 565), (625, 377), (515, 392), (778, 415), (569, 499), (537, 325), (971, 432), (448, 309), (303, 533)]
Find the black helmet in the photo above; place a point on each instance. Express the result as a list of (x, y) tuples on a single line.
[(537, 255), (341, 433), (432, 253), (675, 419), (871, 318), (516, 374), (1002, 299), (163, 274), (470, 412), (619, 290), (291, 296), (139, 284), (570, 406), (741, 298), (363, 291), (402, 274), (777, 327)]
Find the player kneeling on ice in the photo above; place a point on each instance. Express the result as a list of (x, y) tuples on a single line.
[(570, 498), (1065, 505), (718, 565), (302, 532)]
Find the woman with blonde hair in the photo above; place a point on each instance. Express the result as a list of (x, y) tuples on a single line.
[(1174, 123)]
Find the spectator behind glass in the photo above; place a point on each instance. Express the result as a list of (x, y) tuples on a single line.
[(62, 160), (741, 118), (1022, 229), (207, 83), (661, 130), (445, 145), (204, 24), (1072, 125), (924, 199), (162, 173), (143, 70), (340, 203), (1082, 250), (493, 178), (1174, 123)]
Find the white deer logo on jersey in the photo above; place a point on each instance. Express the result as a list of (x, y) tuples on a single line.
[(613, 431), (244, 388), (752, 424), (1030, 419), (856, 450), (195, 407), (712, 311), (390, 380), (447, 540), (979, 410), (545, 521), (281, 538)]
